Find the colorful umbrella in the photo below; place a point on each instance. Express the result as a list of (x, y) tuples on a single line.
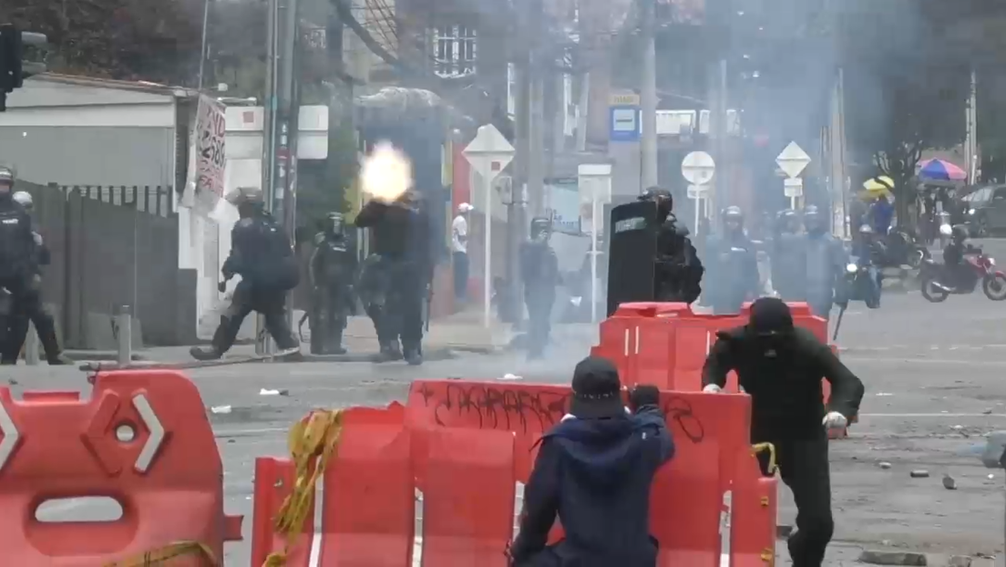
[(938, 169)]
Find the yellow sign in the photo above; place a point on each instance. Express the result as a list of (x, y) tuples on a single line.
[(624, 99)]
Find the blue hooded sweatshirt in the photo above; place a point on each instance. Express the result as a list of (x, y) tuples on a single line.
[(595, 474)]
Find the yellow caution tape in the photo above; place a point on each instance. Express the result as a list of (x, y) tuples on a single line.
[(761, 448), (312, 442), (162, 555)]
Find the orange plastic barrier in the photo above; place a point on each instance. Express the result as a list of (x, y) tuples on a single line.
[(368, 514), (711, 435), (468, 501), (142, 439)]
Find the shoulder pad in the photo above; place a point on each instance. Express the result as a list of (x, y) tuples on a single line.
[(245, 223)]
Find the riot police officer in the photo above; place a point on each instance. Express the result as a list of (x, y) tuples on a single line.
[(261, 254), (332, 269), (20, 256), (401, 237), (678, 272), (539, 267), (733, 265), (826, 261), (789, 258), (45, 327)]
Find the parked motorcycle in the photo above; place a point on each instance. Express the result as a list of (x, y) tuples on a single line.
[(858, 284), (937, 284)]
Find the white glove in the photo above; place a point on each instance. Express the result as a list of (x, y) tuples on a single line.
[(712, 389), (741, 388), (834, 420)]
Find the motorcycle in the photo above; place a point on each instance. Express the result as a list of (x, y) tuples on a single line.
[(934, 277), (858, 284), (904, 247)]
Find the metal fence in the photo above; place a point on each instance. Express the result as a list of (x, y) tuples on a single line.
[(112, 246)]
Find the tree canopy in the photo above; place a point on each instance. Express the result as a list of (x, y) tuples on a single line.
[(152, 40)]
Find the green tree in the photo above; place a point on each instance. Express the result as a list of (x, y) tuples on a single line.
[(152, 40)]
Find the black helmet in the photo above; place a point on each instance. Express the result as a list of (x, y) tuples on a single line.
[(663, 199), (541, 227), (7, 178), (960, 233), (733, 212)]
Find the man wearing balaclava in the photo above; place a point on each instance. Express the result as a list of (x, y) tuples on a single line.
[(781, 367)]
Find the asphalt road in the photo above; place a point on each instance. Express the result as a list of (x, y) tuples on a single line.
[(934, 386)]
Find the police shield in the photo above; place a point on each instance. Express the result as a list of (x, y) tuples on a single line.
[(632, 253)]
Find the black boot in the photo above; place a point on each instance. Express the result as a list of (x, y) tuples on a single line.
[(59, 359), (390, 352), (414, 356), (205, 353), (336, 343)]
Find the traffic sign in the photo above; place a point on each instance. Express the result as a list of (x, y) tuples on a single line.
[(624, 123), (698, 191), (698, 168), (489, 153), (793, 187), (793, 160)]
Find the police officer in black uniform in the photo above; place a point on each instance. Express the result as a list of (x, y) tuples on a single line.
[(401, 237), (19, 275), (789, 258), (45, 327), (539, 267), (733, 263), (678, 272), (261, 254), (333, 267), (781, 367)]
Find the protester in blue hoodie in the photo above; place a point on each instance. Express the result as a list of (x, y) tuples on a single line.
[(594, 471)]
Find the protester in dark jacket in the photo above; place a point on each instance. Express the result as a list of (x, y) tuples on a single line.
[(781, 367), (594, 471)]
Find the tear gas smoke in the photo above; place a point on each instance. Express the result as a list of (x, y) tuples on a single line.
[(386, 174)]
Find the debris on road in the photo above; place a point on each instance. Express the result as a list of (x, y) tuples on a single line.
[(949, 483), (220, 409), (884, 394), (920, 473), (885, 465), (265, 392), (875, 557), (509, 376)]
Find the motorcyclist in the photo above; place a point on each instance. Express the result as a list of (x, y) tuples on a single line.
[(261, 254), (958, 271), (332, 270), (826, 261), (539, 267), (678, 272), (733, 264), (401, 237), (789, 258), (22, 253)]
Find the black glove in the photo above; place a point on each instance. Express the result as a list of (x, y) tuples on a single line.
[(643, 395)]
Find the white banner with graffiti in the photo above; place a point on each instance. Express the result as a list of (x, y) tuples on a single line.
[(211, 160)]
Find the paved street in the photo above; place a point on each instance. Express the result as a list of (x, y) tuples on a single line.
[(934, 387)]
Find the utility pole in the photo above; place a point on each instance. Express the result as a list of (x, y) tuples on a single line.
[(648, 97), (536, 126), (718, 126), (279, 163)]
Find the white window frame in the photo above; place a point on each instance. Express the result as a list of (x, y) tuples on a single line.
[(455, 51)]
